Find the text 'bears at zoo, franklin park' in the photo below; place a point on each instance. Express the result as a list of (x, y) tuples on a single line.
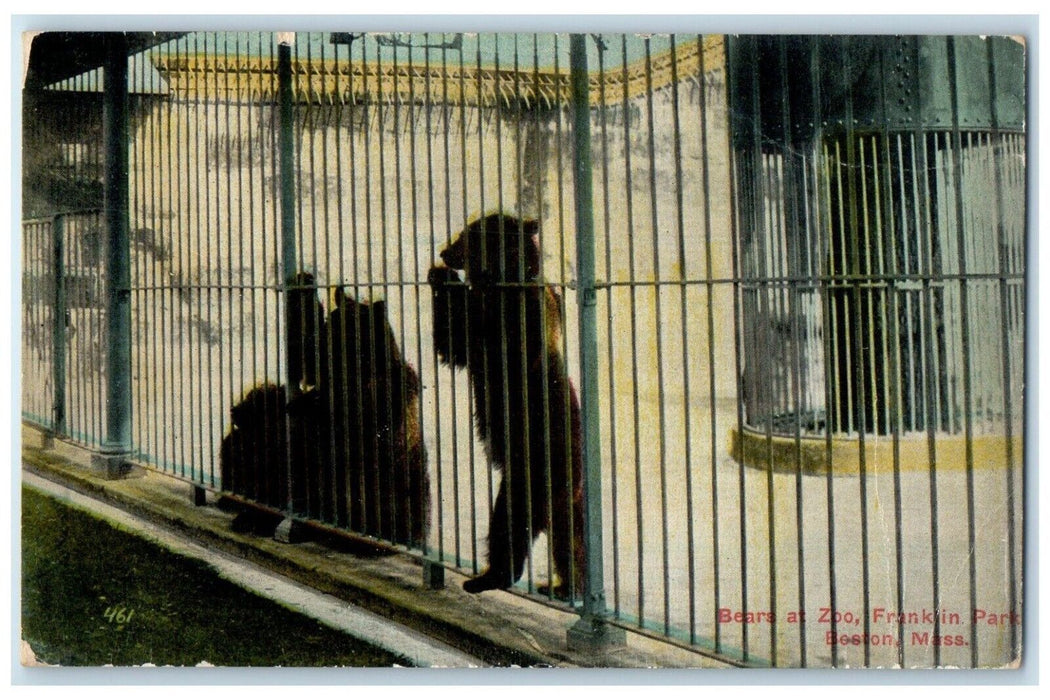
[(922, 627)]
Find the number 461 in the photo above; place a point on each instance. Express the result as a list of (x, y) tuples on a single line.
[(118, 614)]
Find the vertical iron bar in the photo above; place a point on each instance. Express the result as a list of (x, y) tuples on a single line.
[(794, 260), (522, 329), (629, 207), (331, 109), (317, 120), (286, 156), (302, 114), (467, 331), (998, 155), (83, 333), (399, 208), (153, 279), (337, 372), (425, 107), (931, 375), (710, 327), (194, 262), (381, 479), (117, 444), (658, 313), (562, 255), (736, 201), (242, 97), (39, 263), (211, 203), (539, 163), (964, 323), (610, 333), (209, 273), (683, 305), (92, 341), (187, 378), (311, 122), (831, 398), (154, 390), (223, 162), (825, 265), (756, 231), (509, 478), (166, 285), (896, 235), (771, 233), (428, 108), (373, 397), (272, 243), (34, 267), (137, 200), (851, 235), (485, 389), (591, 630), (58, 333), (362, 493), (353, 490)]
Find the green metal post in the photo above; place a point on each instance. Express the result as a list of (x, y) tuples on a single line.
[(286, 146), (591, 631), (116, 445), (287, 531), (58, 333)]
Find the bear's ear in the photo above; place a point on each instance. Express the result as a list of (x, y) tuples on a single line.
[(454, 254), (239, 414), (530, 226), (340, 297), (379, 308), (497, 223)]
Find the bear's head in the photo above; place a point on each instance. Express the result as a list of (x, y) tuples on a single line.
[(366, 331), (259, 409), (496, 248)]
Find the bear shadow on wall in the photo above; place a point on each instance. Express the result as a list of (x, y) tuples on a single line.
[(504, 326), (357, 455)]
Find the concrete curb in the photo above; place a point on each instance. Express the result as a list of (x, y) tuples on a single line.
[(496, 628)]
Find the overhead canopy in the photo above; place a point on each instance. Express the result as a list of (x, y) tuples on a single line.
[(55, 56)]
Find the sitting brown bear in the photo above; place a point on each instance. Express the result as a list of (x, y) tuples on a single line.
[(504, 326), (252, 455), (346, 438), (381, 463)]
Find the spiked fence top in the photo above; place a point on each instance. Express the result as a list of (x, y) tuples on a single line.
[(329, 81)]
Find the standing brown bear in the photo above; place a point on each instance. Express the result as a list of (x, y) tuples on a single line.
[(505, 326)]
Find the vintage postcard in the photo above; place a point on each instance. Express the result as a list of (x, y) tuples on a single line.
[(471, 349)]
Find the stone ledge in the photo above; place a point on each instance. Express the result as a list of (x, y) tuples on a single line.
[(502, 629), (881, 453)]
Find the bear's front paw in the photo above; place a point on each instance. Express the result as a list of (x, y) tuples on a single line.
[(558, 592), (306, 403), (484, 279), (440, 275), (487, 581)]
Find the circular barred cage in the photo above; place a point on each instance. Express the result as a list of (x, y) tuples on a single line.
[(880, 233)]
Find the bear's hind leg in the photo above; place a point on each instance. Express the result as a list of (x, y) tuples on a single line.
[(508, 545), (566, 540)]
